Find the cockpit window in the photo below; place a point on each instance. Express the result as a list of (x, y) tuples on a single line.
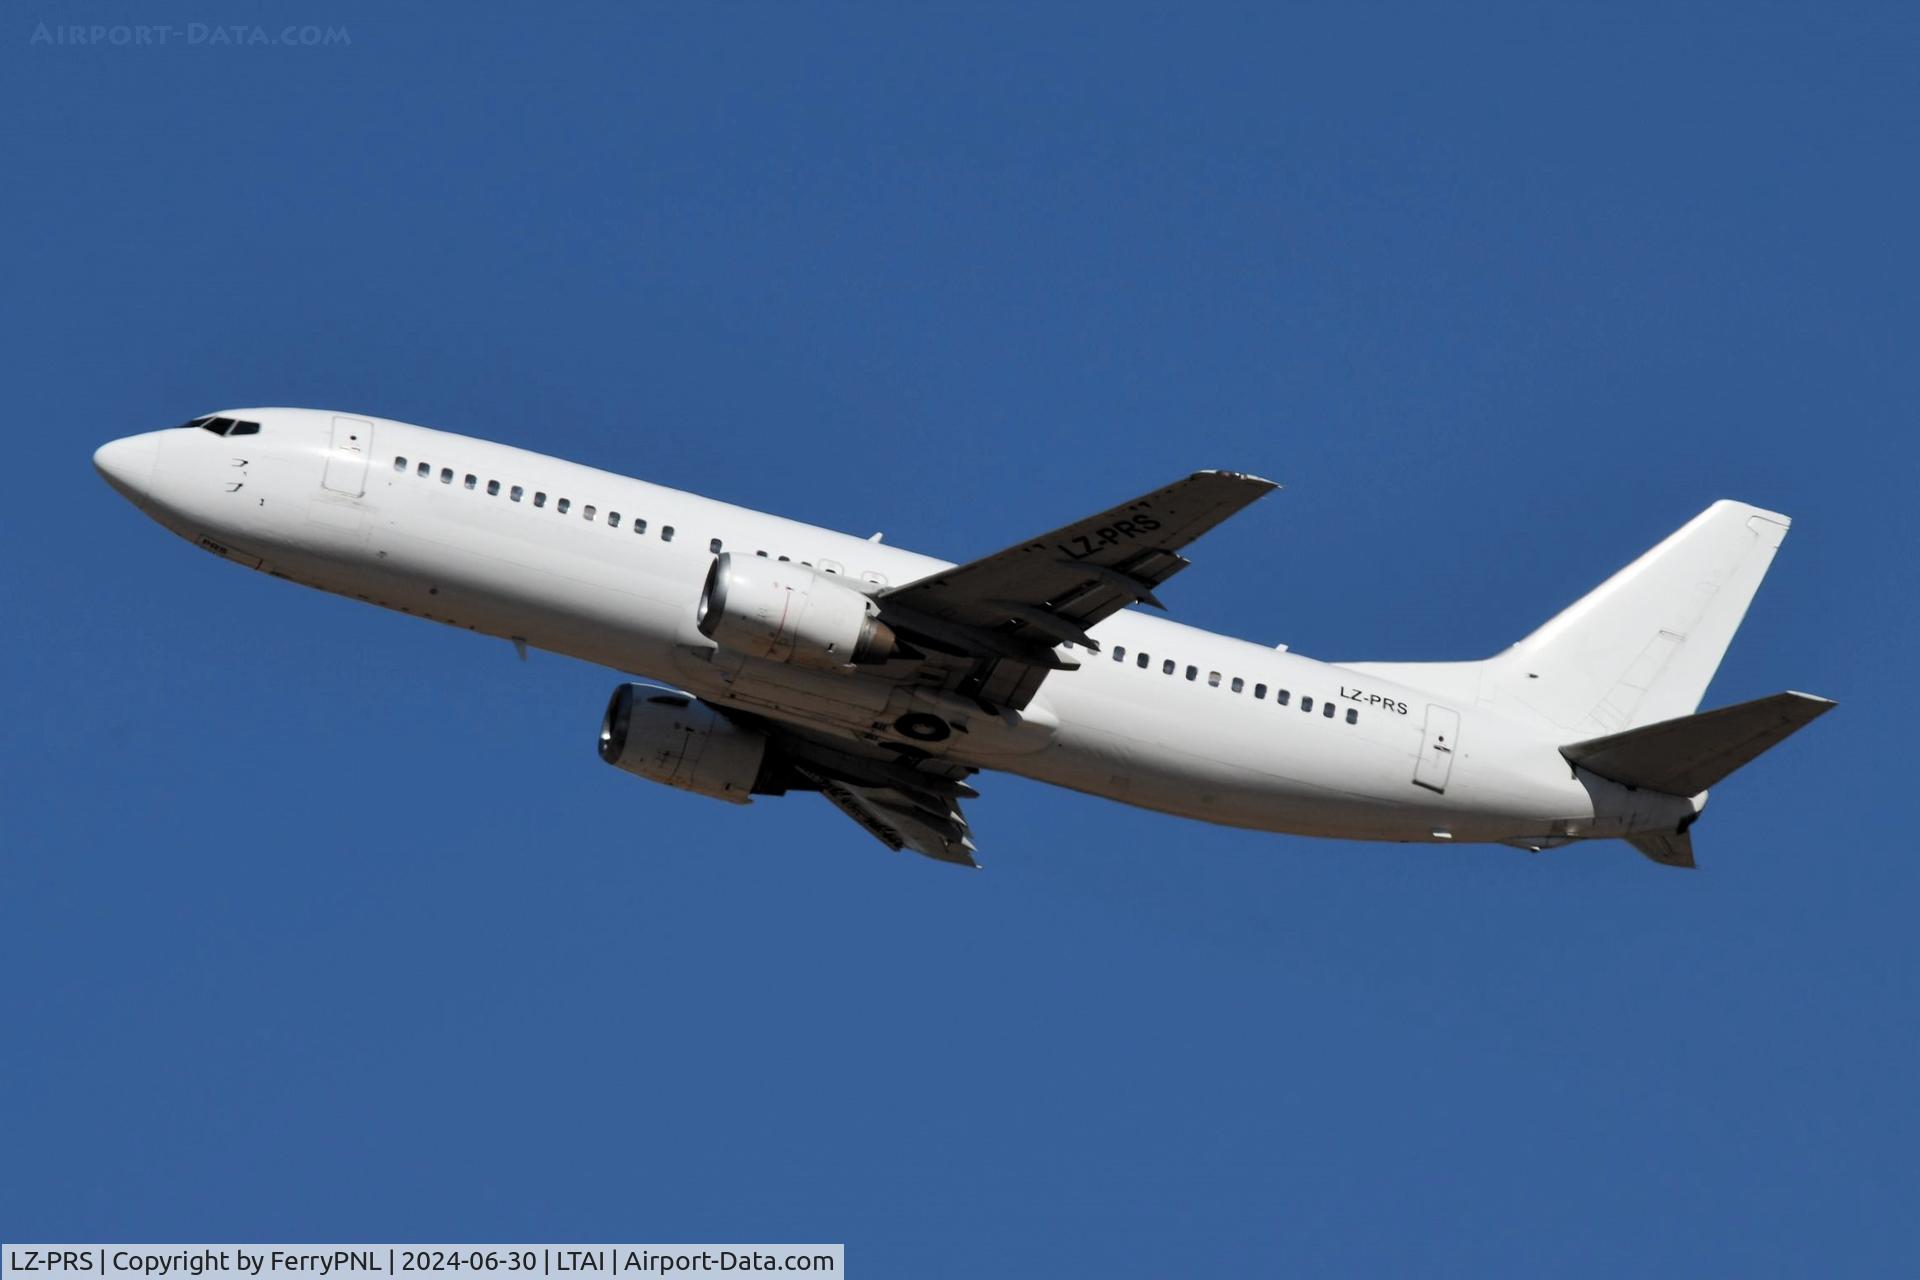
[(196, 422), (226, 426)]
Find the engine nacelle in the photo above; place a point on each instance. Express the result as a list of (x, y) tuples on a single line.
[(786, 612), (669, 737)]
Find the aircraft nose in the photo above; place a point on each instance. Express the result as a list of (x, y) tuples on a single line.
[(127, 463)]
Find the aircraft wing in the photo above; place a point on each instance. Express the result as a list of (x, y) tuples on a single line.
[(903, 803), (1005, 614), (903, 817)]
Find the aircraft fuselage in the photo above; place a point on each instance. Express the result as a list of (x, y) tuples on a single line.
[(606, 568)]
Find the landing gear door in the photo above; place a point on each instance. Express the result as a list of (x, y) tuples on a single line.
[(1437, 747), (347, 453)]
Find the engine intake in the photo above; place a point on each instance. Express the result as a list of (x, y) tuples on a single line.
[(668, 737), (786, 612)]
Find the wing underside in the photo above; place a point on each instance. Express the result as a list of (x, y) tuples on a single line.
[(902, 801), (902, 818)]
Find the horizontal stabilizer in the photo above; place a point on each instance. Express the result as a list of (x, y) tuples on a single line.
[(1684, 757), (1667, 850)]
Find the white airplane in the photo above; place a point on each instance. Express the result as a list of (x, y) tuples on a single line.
[(809, 660)]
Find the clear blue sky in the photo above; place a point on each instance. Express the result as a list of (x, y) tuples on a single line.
[(323, 923)]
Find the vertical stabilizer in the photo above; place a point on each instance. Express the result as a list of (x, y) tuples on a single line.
[(1637, 649), (1642, 646)]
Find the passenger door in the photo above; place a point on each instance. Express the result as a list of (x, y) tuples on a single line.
[(347, 454), (1436, 748)]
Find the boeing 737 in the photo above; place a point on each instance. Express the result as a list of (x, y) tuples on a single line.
[(794, 658)]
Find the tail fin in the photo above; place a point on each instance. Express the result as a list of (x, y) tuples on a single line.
[(1642, 646), (1637, 649), (1684, 757)]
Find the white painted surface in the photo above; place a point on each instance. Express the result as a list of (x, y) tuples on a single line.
[(1642, 645)]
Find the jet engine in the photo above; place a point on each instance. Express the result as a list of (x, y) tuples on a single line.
[(786, 612), (669, 737)]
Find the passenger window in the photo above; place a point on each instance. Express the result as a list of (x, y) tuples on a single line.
[(1238, 684), (714, 546), (613, 519), (493, 488), (446, 475), (1142, 661), (666, 533), (783, 559), (472, 480), (1280, 698), (422, 470), (539, 499), (586, 513), (399, 464), (1260, 691), (1353, 717), (639, 525), (763, 555), (1213, 679), (562, 505), (1193, 673), (1329, 710), (515, 492), (1306, 704), (1166, 667), (1119, 653)]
